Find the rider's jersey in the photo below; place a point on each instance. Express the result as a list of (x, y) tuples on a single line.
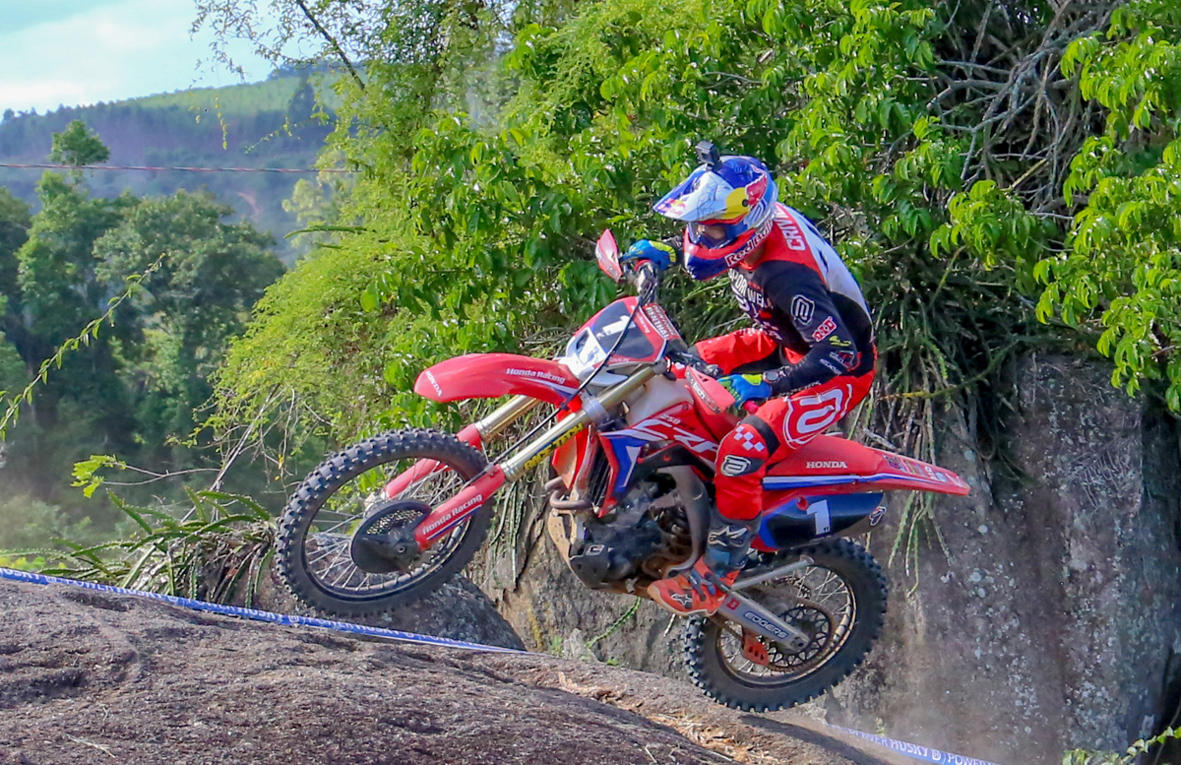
[(802, 295)]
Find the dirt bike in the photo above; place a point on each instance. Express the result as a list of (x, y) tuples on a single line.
[(631, 443)]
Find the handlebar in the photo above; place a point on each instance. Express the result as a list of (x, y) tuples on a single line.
[(646, 279)]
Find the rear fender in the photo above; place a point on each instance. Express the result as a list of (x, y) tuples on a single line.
[(492, 375), (835, 465)]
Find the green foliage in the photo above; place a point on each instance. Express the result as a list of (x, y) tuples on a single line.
[(118, 315), (77, 145), (209, 275), (14, 228), (1134, 753), (218, 549), (1120, 267)]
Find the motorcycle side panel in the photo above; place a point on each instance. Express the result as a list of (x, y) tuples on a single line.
[(492, 375), (804, 519), (833, 465), (676, 424)]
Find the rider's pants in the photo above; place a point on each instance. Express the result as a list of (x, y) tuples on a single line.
[(779, 427)]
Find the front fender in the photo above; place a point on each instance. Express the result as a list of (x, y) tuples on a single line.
[(492, 375)]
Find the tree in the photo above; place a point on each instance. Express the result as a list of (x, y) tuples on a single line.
[(14, 230), (136, 386), (78, 146), (209, 275)]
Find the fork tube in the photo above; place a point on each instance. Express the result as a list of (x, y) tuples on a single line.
[(517, 465), (505, 415)]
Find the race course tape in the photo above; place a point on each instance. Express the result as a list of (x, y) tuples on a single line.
[(927, 754), (924, 753), (256, 615)]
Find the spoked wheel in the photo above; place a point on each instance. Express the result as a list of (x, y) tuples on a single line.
[(325, 552), (839, 601)]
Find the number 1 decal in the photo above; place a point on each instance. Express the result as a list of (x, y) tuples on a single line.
[(823, 517)]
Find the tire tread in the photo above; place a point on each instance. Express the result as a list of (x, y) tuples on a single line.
[(341, 467)]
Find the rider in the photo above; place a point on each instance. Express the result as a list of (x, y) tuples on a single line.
[(810, 358)]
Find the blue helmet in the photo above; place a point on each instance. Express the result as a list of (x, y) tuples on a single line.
[(729, 206)]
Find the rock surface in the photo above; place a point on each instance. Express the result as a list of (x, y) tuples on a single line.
[(458, 610), (1051, 621), (88, 677)]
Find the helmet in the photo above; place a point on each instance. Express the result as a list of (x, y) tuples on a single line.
[(735, 197)]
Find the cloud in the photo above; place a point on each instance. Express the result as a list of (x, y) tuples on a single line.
[(109, 50), (22, 14)]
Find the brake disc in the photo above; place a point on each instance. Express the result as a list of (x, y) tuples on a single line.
[(384, 543)]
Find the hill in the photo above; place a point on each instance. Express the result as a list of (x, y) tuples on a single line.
[(270, 124)]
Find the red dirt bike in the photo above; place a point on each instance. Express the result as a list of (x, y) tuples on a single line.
[(632, 445)]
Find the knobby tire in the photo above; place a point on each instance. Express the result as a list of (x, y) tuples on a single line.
[(334, 473), (867, 584)]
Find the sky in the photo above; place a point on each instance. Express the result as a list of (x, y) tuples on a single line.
[(80, 52)]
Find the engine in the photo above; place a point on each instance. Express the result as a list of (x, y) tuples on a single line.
[(647, 532)]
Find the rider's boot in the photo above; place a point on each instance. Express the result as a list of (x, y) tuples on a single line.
[(696, 592)]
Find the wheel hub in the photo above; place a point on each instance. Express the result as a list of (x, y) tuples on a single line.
[(384, 543)]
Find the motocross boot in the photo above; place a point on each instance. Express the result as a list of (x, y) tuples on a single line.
[(696, 592)]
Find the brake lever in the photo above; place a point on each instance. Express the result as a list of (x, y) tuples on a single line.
[(687, 358)]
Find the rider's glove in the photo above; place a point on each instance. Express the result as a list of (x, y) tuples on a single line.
[(746, 387), (659, 254)]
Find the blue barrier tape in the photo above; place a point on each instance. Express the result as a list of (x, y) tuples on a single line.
[(927, 754), (256, 615), (924, 753)]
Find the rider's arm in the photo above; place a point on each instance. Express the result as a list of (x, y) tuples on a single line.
[(799, 291)]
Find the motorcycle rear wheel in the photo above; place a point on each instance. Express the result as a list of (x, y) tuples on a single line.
[(312, 551), (840, 599)]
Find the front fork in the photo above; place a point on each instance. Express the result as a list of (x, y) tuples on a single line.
[(473, 435)]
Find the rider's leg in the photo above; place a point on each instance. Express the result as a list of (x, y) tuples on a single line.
[(778, 428), (738, 349)]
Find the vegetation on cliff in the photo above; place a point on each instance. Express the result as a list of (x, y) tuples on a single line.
[(974, 161)]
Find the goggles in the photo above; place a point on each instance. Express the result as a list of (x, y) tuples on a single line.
[(715, 234)]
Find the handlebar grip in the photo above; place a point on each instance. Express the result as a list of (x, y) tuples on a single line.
[(750, 407)]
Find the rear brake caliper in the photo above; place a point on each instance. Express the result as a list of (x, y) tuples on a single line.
[(753, 648)]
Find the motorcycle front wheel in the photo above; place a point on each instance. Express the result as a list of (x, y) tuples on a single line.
[(314, 554), (839, 601)]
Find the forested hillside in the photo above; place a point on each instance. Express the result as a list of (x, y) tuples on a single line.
[(117, 312), (272, 124)]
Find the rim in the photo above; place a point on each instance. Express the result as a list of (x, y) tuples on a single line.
[(327, 540), (815, 599)]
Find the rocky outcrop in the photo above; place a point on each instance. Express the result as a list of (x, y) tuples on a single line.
[(88, 677), (458, 610), (1051, 621)]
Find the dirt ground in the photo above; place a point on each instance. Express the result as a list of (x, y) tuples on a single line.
[(88, 677)]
